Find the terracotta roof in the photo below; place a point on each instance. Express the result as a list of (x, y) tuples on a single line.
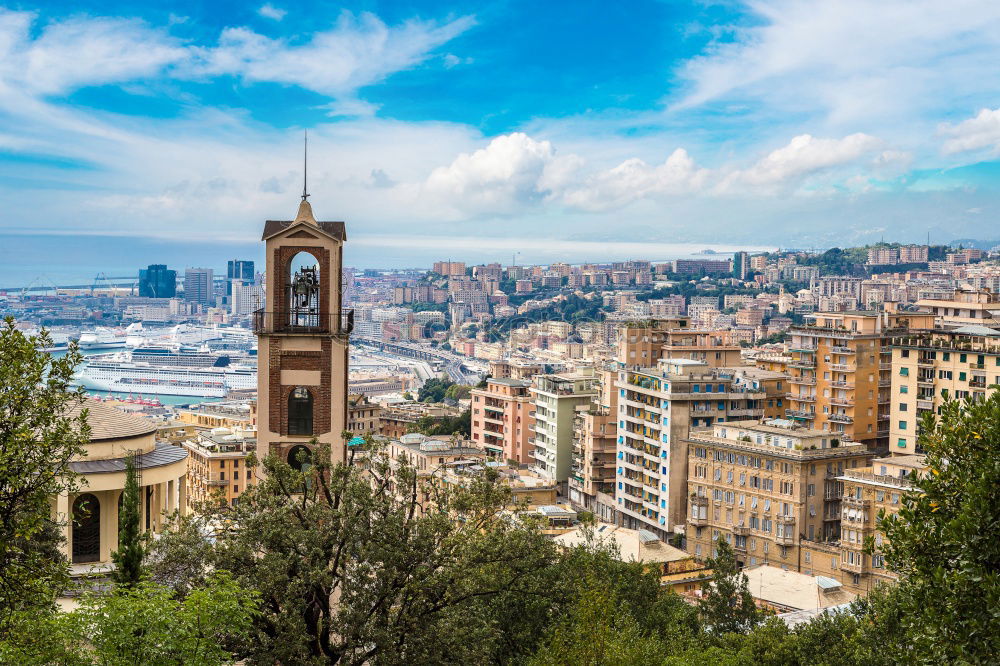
[(163, 454), (335, 229), (107, 422)]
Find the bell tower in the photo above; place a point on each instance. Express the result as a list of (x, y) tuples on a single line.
[(302, 335)]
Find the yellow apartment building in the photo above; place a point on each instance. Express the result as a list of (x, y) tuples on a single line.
[(929, 365), (967, 307), (841, 372), (217, 469), (868, 491), (592, 475), (771, 489)]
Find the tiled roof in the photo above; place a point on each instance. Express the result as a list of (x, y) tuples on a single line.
[(335, 229), (163, 454), (108, 422)]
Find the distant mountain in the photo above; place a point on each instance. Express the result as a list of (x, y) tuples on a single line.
[(975, 243)]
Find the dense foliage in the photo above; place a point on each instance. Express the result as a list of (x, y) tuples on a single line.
[(39, 436)]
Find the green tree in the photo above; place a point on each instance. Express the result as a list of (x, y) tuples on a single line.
[(142, 624), (728, 606), (417, 573), (42, 428), (945, 540), (128, 558)]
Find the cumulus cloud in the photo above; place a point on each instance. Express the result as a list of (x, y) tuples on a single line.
[(803, 156), (981, 131), (270, 11), (634, 179)]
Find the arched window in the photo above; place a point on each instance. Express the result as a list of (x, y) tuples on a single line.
[(86, 529), (300, 412), (299, 458), (303, 291)]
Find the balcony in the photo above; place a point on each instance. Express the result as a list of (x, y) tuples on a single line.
[(741, 530), (803, 364), (745, 411), (842, 367), (799, 414), (807, 381), (925, 404), (304, 323), (847, 385), (929, 362), (840, 418), (855, 503), (842, 402), (785, 539), (801, 397), (842, 350)]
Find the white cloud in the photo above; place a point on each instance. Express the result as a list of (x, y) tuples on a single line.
[(634, 179), (852, 61), (803, 156), (79, 52), (514, 170), (358, 51), (981, 131), (270, 11)]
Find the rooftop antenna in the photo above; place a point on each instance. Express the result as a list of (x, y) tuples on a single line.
[(305, 164)]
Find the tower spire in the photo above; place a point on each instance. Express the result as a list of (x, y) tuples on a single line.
[(305, 213), (305, 164)]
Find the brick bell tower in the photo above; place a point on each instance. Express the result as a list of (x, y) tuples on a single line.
[(302, 336)]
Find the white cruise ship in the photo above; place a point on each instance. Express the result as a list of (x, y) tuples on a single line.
[(120, 373)]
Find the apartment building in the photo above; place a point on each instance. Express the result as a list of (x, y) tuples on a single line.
[(363, 415), (656, 408), (767, 487), (866, 492), (841, 372), (592, 476), (641, 344), (557, 398), (217, 470), (503, 418), (965, 307), (929, 365)]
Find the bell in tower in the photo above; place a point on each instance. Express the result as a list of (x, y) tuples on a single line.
[(303, 334)]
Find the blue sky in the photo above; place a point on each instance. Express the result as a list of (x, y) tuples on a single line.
[(452, 125)]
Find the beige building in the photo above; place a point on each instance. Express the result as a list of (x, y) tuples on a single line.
[(768, 488), (656, 409), (592, 477), (302, 338), (503, 418), (557, 398), (867, 492), (90, 515), (363, 416), (841, 367), (966, 307), (217, 469), (929, 365)]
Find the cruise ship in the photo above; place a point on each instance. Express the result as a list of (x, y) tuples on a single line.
[(157, 371)]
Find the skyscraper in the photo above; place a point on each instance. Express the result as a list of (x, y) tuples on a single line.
[(157, 281), (741, 265), (198, 286), (238, 269)]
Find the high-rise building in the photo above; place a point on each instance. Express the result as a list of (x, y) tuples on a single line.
[(246, 297), (502, 421), (766, 487), (199, 286), (556, 400), (592, 478), (302, 340), (741, 265), (157, 281), (656, 409), (841, 372), (238, 269)]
